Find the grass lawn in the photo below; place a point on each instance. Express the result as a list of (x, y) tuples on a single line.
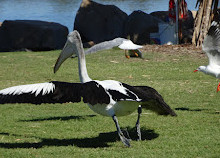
[(73, 130)]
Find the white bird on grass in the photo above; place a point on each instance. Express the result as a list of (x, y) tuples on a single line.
[(126, 44), (211, 46), (108, 98)]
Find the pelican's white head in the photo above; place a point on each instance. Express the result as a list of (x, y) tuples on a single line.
[(202, 69), (70, 48)]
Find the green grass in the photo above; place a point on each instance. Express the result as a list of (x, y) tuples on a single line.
[(73, 130)]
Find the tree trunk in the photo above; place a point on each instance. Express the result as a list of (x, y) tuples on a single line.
[(197, 23), (205, 22), (202, 21)]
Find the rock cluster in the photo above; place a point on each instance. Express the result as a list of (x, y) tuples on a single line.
[(97, 23), (31, 35)]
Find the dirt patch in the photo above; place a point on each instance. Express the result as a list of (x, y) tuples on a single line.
[(174, 49)]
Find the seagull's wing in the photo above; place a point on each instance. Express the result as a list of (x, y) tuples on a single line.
[(54, 92), (129, 45), (105, 45), (211, 44)]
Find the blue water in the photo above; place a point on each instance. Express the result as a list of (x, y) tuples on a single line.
[(64, 11)]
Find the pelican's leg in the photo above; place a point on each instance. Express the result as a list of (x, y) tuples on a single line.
[(138, 122), (124, 140)]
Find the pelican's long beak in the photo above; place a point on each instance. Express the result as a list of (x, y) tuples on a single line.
[(68, 51)]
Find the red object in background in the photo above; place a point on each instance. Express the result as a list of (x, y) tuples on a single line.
[(172, 10), (183, 11)]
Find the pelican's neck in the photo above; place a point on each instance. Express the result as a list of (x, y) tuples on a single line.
[(83, 75)]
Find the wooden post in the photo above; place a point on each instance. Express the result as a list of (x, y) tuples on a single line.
[(206, 20), (177, 22), (197, 23)]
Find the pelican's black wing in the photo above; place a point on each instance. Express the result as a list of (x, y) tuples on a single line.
[(54, 92), (150, 99)]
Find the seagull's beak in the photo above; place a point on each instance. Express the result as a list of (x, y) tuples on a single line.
[(195, 70), (67, 52)]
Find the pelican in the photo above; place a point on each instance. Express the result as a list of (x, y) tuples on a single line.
[(127, 45), (108, 98), (211, 46)]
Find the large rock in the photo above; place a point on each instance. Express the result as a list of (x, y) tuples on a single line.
[(96, 22), (139, 25), (32, 35)]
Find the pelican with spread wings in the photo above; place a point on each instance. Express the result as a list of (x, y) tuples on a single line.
[(108, 98)]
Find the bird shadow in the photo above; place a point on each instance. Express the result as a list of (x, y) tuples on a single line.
[(62, 118), (100, 141), (188, 109)]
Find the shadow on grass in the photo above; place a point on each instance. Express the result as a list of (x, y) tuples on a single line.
[(96, 142), (188, 109), (62, 118)]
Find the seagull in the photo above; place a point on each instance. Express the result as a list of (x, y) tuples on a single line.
[(125, 44), (108, 98), (211, 46)]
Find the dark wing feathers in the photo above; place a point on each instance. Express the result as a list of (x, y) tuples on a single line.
[(63, 92), (154, 101), (151, 99), (66, 92), (94, 93), (91, 93)]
